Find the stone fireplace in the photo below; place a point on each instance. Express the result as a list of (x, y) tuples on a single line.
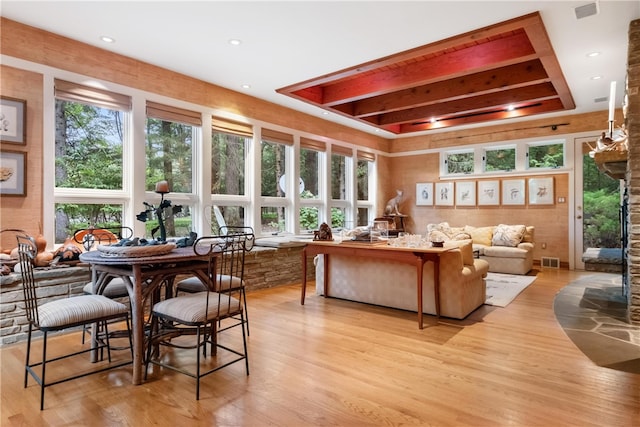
[(632, 121)]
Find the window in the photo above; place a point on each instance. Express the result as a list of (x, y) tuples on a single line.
[(500, 159), (90, 135), (170, 133), (545, 155), (311, 166), (232, 216), (459, 162), (365, 187), (75, 216), (229, 144)]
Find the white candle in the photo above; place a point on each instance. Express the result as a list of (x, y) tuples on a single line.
[(612, 101)]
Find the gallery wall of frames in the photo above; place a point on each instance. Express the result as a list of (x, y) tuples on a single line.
[(498, 192)]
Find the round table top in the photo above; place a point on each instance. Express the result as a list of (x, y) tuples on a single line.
[(176, 255)]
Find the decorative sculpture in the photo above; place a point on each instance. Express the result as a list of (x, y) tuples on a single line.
[(393, 204)]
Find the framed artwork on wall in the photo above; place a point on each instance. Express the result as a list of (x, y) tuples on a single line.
[(13, 118), (424, 194), (488, 193), (541, 191), (466, 193), (13, 166), (444, 194), (513, 192)]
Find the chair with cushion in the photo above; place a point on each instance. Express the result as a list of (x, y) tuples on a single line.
[(194, 284), (90, 238), (62, 314), (203, 311)]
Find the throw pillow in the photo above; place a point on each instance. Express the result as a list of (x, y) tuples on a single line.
[(508, 235), (458, 233), (438, 232), (528, 234), (480, 235)]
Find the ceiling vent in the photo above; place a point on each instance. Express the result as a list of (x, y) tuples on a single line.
[(601, 99), (586, 10)]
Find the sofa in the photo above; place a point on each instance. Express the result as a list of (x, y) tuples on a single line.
[(393, 284), (507, 248)]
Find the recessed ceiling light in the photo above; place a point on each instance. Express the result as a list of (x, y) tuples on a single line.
[(107, 39), (433, 120), (235, 42), (325, 113), (593, 54), (596, 77), (246, 86), (510, 108)]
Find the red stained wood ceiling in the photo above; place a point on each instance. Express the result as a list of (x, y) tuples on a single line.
[(502, 71)]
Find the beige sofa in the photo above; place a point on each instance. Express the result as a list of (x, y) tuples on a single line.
[(507, 248), (393, 284)]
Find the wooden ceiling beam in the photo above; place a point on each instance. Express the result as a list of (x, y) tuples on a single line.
[(494, 100), (479, 57), (509, 77)]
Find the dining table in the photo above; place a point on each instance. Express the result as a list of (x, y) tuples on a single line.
[(144, 277)]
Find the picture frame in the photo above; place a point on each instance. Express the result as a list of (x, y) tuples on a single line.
[(541, 191), (444, 194), (513, 192), (489, 193), (13, 120), (13, 178), (424, 194), (465, 193)]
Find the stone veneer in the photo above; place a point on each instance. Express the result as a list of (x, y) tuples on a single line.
[(264, 268), (632, 121)]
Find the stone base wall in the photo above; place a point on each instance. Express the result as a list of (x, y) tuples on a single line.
[(264, 268)]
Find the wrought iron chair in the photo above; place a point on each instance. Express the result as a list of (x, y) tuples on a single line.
[(203, 311), (62, 314), (90, 238), (194, 284)]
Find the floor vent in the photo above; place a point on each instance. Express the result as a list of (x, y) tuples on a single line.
[(549, 262)]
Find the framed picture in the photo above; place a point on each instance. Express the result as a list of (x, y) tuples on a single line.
[(466, 193), (513, 192), (541, 191), (424, 194), (444, 194), (489, 193), (13, 120), (13, 166)]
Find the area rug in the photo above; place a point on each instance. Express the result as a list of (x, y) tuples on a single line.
[(504, 288)]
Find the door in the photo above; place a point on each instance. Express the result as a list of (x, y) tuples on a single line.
[(597, 205)]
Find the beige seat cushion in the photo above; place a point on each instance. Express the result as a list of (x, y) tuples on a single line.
[(78, 310), (115, 289)]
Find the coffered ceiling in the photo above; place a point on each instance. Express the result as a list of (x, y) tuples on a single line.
[(383, 67)]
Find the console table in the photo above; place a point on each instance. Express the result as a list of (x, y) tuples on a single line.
[(413, 256)]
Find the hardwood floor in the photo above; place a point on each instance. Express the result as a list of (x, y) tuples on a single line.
[(338, 363)]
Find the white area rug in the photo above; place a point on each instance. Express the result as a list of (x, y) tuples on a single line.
[(504, 288)]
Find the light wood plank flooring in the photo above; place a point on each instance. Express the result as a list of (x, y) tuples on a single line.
[(338, 363)]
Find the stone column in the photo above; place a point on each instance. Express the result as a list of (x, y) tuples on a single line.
[(632, 121)]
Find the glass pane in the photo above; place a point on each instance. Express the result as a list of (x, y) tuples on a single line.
[(363, 217), (309, 219), (88, 146), (73, 216), (338, 216), (272, 219), (169, 155), (273, 169), (546, 156), (601, 198), (228, 159), (460, 163), (338, 177), (309, 167), (232, 216), (362, 173), (502, 159)]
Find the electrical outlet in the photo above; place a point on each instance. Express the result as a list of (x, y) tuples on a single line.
[(544, 246)]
